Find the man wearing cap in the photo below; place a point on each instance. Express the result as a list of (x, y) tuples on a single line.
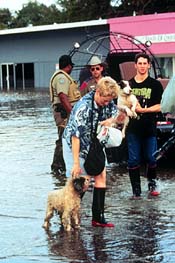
[(96, 68), (64, 94)]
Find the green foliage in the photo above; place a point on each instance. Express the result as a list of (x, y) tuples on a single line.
[(77, 10), (35, 13), (141, 7), (5, 18)]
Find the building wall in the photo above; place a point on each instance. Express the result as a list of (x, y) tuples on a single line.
[(43, 49)]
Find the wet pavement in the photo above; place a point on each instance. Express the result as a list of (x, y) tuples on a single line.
[(144, 229)]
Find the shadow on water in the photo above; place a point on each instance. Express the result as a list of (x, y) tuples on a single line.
[(144, 229)]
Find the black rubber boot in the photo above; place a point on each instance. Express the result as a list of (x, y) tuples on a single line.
[(98, 219), (134, 175), (151, 177), (151, 173), (58, 160), (58, 165)]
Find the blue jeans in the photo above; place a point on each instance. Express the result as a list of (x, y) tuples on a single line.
[(138, 145)]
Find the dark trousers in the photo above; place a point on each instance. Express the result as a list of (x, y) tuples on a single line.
[(58, 160)]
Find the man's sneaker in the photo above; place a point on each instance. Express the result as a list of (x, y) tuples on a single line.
[(103, 224), (154, 193), (152, 187)]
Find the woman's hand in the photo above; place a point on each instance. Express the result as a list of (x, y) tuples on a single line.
[(107, 122), (112, 121), (121, 117), (76, 170)]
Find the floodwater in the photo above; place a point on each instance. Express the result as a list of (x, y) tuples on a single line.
[(144, 229)]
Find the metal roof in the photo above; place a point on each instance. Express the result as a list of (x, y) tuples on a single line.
[(54, 26)]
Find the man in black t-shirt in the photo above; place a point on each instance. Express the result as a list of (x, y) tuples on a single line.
[(141, 132)]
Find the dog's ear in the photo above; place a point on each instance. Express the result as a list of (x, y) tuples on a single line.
[(129, 81), (78, 184), (121, 84)]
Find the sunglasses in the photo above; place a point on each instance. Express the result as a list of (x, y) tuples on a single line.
[(95, 68)]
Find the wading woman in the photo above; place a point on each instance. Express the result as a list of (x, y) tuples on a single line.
[(96, 106)]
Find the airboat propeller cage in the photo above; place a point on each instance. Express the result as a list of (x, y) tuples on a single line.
[(113, 48)]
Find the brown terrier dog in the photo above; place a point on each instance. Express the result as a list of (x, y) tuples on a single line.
[(66, 202)]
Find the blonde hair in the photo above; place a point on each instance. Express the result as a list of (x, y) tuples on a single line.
[(108, 87)]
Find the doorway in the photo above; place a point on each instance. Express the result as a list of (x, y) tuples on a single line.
[(17, 76)]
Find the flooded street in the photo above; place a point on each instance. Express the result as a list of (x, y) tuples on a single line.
[(144, 229)]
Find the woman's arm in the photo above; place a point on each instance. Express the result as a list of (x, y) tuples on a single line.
[(118, 119), (76, 170)]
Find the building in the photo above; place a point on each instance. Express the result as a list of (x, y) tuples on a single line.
[(29, 56)]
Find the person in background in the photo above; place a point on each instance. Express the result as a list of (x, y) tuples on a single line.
[(76, 139), (64, 94), (96, 68), (141, 132)]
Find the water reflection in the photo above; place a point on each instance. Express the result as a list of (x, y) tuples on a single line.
[(76, 248), (100, 246), (143, 230), (59, 181), (67, 245)]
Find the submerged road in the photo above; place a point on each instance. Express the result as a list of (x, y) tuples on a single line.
[(144, 229)]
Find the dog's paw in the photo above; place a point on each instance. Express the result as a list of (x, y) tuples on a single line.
[(129, 112), (134, 115)]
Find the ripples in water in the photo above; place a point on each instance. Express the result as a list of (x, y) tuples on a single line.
[(144, 229)]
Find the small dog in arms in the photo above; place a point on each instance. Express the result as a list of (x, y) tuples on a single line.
[(126, 102), (66, 202)]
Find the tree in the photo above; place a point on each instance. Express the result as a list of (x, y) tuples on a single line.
[(36, 14), (76, 10), (141, 7), (5, 18)]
